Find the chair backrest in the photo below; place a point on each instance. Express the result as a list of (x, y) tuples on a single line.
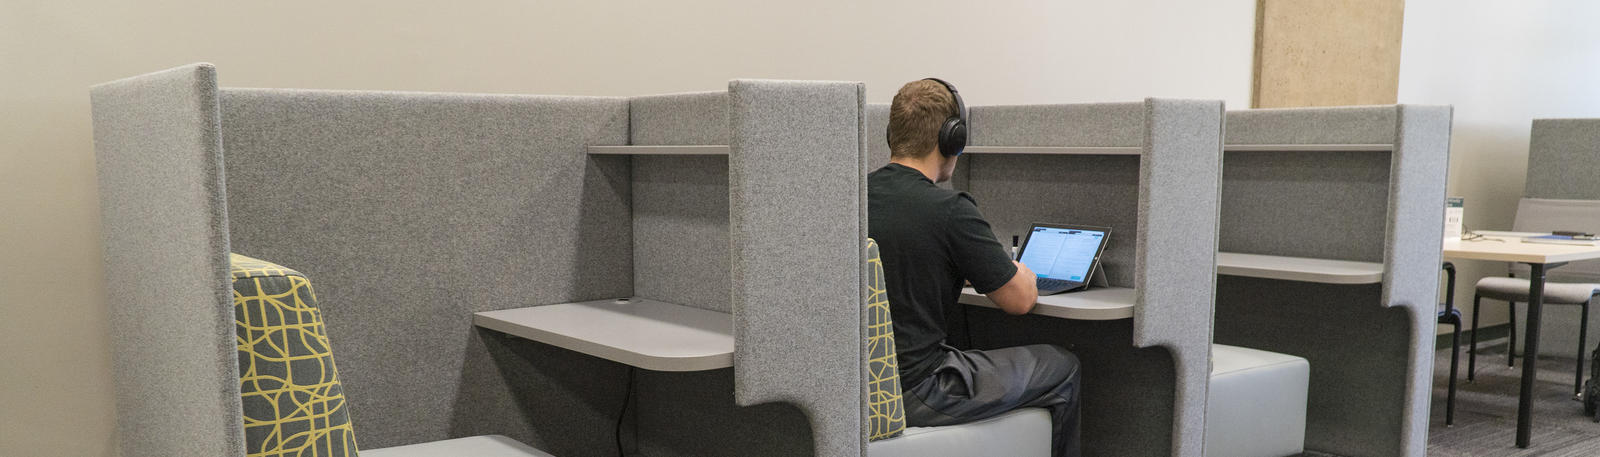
[(886, 416), (1544, 215), (292, 399)]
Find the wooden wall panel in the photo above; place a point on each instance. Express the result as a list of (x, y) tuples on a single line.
[(1327, 52)]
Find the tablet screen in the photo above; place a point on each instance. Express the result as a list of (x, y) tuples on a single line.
[(1062, 253)]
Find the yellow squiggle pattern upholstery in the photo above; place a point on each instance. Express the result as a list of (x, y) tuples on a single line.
[(886, 416), (293, 401)]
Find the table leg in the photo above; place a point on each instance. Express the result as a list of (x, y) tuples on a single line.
[(1530, 353)]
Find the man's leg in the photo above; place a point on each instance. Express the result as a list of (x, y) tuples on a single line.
[(976, 385)]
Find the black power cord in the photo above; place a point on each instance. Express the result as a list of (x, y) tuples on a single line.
[(626, 399)]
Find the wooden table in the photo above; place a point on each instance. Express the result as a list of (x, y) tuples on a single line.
[(1540, 257)]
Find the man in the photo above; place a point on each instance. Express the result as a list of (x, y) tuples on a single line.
[(933, 239)]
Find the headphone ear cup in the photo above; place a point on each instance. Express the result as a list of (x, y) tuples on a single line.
[(953, 137)]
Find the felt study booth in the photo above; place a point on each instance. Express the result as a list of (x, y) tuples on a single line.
[(1330, 250), (419, 215), (1151, 172)]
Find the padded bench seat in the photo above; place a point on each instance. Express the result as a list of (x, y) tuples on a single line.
[(1021, 433), (1256, 405), (475, 446)]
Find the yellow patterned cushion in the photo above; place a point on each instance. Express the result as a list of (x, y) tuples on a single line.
[(293, 402), (886, 416)]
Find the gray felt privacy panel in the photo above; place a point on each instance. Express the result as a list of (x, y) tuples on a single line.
[(798, 244), (1089, 124), (679, 119), (1329, 205), (1179, 176), (877, 135), (411, 211), (159, 161), (680, 230), (1564, 159), (1412, 251), (1341, 125), (680, 203), (1276, 200), (1161, 206)]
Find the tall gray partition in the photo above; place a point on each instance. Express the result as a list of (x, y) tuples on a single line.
[(412, 211), (1151, 172), (1563, 159), (166, 264), (1361, 184)]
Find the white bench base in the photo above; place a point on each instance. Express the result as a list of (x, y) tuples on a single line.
[(476, 446)]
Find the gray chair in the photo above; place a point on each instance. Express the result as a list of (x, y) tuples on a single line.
[(1575, 284)]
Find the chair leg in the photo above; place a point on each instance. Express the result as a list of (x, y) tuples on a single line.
[(1455, 358), (1511, 343), (1472, 349), (1583, 333)]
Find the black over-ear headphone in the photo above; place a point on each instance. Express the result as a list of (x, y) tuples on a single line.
[(953, 134)]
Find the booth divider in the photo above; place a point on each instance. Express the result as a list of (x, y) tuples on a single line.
[(1358, 185), (411, 212), (1151, 172)]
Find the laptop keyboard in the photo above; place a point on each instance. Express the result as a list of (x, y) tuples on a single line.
[(1055, 284)]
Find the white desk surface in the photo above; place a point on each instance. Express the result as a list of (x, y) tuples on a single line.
[(1299, 268), (644, 333), (1095, 304), (1512, 249)]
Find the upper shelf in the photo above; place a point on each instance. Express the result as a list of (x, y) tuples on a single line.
[(640, 332), (1299, 268), (694, 149), (1068, 150), (1309, 147), (1095, 304)]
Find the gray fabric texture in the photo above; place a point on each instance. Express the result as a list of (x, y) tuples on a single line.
[(1084, 124), (1328, 205), (1340, 125), (158, 155), (680, 230), (1412, 252), (1175, 278), (877, 135), (693, 414), (412, 211), (1564, 159), (798, 244), (1274, 202), (679, 119)]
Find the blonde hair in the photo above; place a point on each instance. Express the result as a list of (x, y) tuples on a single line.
[(915, 117)]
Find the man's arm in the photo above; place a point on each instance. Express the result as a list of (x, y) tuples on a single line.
[(1019, 294)]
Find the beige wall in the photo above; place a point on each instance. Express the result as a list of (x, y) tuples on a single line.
[(1501, 64), (55, 379), (1327, 52)]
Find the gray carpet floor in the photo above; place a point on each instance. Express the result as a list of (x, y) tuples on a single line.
[(1486, 409)]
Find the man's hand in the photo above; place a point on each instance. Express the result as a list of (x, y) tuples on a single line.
[(1019, 294)]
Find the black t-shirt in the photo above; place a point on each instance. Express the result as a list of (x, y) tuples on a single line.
[(930, 239)]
